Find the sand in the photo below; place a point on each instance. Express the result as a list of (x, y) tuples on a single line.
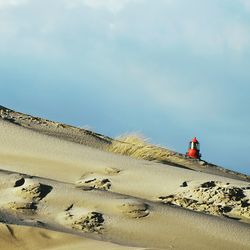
[(60, 193)]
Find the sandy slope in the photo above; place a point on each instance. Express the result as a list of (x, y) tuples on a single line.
[(126, 146), (90, 193)]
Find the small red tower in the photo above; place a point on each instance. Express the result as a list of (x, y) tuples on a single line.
[(194, 149)]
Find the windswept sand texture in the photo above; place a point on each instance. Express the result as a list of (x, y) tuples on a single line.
[(61, 188)]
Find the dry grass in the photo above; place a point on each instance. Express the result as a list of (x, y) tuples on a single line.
[(138, 147)]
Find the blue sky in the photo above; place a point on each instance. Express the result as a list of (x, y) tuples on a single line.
[(169, 69)]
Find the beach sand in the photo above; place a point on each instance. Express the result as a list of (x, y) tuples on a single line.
[(63, 187)]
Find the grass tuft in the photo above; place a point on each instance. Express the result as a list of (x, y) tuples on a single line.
[(136, 146)]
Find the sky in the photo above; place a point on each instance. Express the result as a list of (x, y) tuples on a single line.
[(167, 69)]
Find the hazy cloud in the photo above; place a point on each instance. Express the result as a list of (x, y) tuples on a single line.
[(12, 3), (201, 27), (238, 37), (246, 4), (110, 5)]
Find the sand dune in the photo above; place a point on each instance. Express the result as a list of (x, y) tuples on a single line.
[(72, 195), (125, 145)]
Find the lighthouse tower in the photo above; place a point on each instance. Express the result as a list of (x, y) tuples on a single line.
[(194, 149)]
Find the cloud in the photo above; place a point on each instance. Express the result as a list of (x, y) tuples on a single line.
[(203, 29), (109, 5), (231, 36), (12, 3), (246, 4), (238, 37)]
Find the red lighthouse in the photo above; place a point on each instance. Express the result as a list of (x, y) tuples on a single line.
[(194, 149)]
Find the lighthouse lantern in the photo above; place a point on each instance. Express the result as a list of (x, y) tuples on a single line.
[(194, 149)]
